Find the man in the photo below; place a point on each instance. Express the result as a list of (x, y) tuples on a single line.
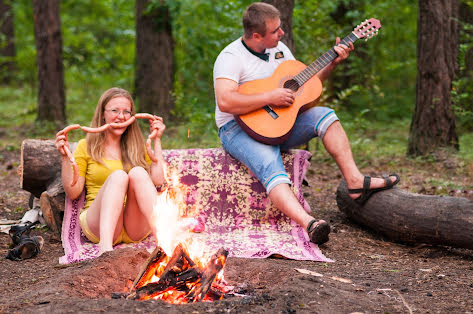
[(255, 56)]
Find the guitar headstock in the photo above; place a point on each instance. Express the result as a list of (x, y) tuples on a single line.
[(367, 29)]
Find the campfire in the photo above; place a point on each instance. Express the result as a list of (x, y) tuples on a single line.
[(188, 274), (179, 279)]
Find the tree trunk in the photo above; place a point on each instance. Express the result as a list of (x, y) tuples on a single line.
[(47, 29), (466, 16), (433, 124), (7, 43), (154, 76), (285, 7), (413, 218)]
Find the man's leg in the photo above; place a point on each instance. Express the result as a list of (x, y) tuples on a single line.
[(285, 200), (266, 163), (323, 123), (337, 145)]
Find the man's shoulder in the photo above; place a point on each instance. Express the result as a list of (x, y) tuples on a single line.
[(235, 45)]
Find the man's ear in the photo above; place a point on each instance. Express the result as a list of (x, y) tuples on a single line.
[(257, 36)]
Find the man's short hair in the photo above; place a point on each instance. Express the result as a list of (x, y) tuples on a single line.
[(255, 16)]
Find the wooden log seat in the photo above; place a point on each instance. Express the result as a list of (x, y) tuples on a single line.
[(407, 217)]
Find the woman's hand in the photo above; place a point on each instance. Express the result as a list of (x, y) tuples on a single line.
[(156, 128)]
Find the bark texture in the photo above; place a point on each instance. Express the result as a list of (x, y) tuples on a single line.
[(40, 174), (7, 42), (433, 123), (413, 218), (154, 76), (48, 38), (285, 7)]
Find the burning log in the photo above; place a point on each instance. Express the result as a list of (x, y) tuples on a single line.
[(181, 280), (216, 264)]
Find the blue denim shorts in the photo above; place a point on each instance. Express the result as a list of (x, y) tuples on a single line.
[(265, 160)]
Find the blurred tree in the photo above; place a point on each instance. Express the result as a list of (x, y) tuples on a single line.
[(285, 7), (7, 42), (463, 85), (433, 124), (154, 71), (47, 29)]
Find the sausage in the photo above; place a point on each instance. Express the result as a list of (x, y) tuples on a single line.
[(144, 116), (150, 151), (95, 130), (75, 168), (69, 128), (123, 124)]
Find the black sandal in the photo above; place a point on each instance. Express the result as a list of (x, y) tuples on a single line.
[(366, 192), (318, 231)]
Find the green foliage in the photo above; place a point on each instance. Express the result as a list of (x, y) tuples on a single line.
[(201, 30), (374, 87), (462, 89), (378, 69)]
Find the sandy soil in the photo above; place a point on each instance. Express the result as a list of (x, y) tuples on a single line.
[(370, 274)]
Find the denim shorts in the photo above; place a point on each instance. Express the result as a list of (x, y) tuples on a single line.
[(265, 160)]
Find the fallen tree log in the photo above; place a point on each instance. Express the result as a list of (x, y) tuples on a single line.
[(40, 174), (407, 217)]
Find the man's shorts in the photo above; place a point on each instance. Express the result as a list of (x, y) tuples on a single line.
[(265, 160)]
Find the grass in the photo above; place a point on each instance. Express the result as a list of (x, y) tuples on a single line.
[(372, 143)]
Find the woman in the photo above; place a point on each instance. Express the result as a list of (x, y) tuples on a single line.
[(119, 176)]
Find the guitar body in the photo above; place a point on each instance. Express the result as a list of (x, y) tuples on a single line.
[(274, 129)]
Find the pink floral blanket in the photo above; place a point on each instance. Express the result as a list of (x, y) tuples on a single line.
[(224, 195)]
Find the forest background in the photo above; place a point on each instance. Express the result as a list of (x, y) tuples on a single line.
[(374, 92)]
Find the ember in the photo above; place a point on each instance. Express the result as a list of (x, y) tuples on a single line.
[(178, 279)]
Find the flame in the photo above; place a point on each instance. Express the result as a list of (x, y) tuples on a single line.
[(170, 229)]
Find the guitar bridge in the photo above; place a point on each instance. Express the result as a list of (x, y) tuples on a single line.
[(271, 112)]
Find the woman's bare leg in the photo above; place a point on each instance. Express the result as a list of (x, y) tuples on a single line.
[(141, 197), (105, 214)]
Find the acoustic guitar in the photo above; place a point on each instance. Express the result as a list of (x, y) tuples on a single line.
[(273, 125)]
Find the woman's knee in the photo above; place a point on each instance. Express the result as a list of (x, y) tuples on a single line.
[(137, 174), (118, 177)]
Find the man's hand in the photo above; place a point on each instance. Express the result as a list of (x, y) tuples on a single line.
[(342, 50), (281, 97)]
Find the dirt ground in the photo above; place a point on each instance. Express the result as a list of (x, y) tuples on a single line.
[(370, 274)]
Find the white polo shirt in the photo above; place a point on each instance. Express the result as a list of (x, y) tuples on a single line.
[(240, 64)]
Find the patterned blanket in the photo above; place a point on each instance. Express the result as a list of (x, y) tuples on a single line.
[(232, 204)]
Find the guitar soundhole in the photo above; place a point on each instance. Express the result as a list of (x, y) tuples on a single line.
[(292, 85)]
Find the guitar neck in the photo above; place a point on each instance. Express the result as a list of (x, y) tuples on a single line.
[(322, 61)]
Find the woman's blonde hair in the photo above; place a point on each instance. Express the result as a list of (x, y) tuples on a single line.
[(132, 145)]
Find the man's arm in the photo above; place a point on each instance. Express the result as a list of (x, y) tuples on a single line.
[(343, 52), (229, 100)]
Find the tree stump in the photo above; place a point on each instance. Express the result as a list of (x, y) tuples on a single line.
[(40, 174), (413, 218)]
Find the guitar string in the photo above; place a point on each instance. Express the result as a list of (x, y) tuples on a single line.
[(321, 62)]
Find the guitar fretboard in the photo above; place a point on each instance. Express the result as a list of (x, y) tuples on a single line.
[(322, 61)]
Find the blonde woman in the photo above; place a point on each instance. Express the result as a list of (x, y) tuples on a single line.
[(119, 176)]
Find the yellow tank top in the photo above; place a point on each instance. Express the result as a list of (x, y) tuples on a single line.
[(95, 173)]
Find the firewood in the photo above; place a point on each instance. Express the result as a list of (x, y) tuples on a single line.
[(149, 268), (215, 265), (413, 218)]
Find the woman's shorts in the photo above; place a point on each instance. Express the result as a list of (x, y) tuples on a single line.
[(122, 238)]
